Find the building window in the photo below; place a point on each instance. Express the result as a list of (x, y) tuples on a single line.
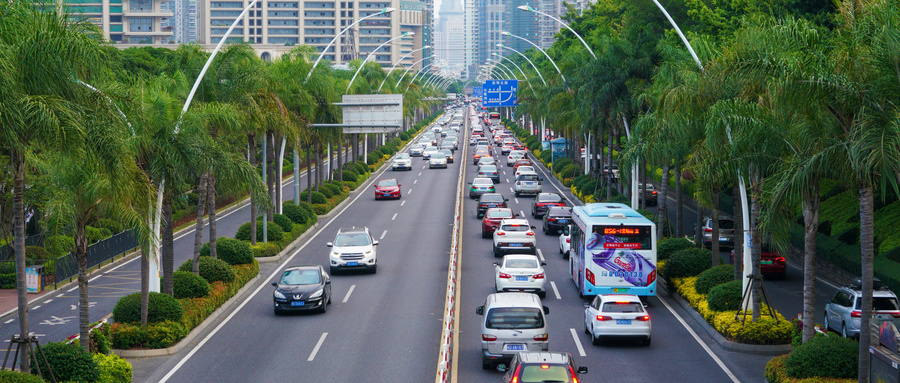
[(226, 4), (140, 40), (282, 13), (283, 22), (283, 31), (283, 40), (292, 5), (221, 31), (115, 19), (140, 24), (140, 5)]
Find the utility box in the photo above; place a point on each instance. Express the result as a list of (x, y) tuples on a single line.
[(34, 277)]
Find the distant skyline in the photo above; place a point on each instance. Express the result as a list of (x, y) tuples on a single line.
[(437, 6)]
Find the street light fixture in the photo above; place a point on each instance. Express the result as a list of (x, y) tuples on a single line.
[(504, 33), (526, 59), (410, 67), (372, 55), (398, 62), (530, 9), (382, 12)]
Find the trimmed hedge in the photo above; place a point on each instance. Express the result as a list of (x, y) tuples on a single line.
[(714, 277), (668, 246), (211, 269), (162, 307), (829, 356), (113, 369), (687, 263), (232, 251), (560, 164), (274, 232), (726, 296), (295, 213), (189, 285), (70, 363), (317, 197), (36, 252), (261, 249), (7, 376), (283, 221)]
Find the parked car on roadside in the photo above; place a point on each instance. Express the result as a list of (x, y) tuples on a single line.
[(843, 312)]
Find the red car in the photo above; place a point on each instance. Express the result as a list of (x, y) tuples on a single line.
[(387, 188), (492, 219), (522, 161), (770, 262)]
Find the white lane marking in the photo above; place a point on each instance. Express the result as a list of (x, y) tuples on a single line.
[(424, 166), (319, 344), (555, 290), (72, 289), (507, 180), (346, 297), (409, 191), (516, 199), (394, 217), (577, 342), (521, 213), (420, 173), (383, 234), (48, 301), (414, 181), (9, 321), (511, 189), (700, 342), (402, 203), (36, 307), (541, 255)]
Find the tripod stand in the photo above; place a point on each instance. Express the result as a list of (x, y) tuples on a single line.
[(754, 280), (27, 342)]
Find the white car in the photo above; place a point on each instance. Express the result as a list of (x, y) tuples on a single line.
[(617, 316), (520, 272), (565, 242), (429, 151), (514, 156), (524, 169), (417, 150), (514, 236), (437, 160), (353, 248), (401, 161)]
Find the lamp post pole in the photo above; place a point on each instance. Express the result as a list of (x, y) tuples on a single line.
[(398, 62), (410, 67), (538, 48), (526, 59), (530, 9), (372, 55), (382, 12)]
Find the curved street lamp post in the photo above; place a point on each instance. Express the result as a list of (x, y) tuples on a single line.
[(372, 55)]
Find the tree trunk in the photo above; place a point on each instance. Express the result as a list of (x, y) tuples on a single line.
[(270, 170), (168, 247), (867, 246), (253, 202), (714, 236), (198, 227), (355, 146), (755, 240), (643, 192), (811, 228), (279, 173), (211, 197), (309, 179), (662, 210), (18, 160), (340, 155), (679, 202), (698, 227), (84, 321), (738, 250), (145, 284), (319, 166), (609, 176)]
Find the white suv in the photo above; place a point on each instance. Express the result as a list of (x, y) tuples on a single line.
[(401, 161), (513, 322), (353, 248), (514, 236)]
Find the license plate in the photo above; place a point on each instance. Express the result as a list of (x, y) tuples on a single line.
[(514, 347), (620, 290), (623, 321), (516, 244), (563, 221), (765, 262), (520, 278), (352, 263), (296, 303), (529, 183), (723, 239)]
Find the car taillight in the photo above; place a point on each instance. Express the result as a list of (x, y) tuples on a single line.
[(501, 233), (549, 219), (779, 259), (603, 318), (643, 318), (654, 193), (530, 233), (538, 276), (488, 337), (856, 313), (708, 230), (505, 276), (568, 240), (542, 337)]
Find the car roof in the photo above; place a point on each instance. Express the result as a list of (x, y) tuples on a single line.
[(353, 229), (515, 221), (544, 357), (619, 297), (303, 267), (514, 300), (483, 179)]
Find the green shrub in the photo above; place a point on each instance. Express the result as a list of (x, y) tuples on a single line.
[(569, 170), (261, 249), (724, 297), (162, 307), (113, 226), (560, 164), (36, 252), (232, 251), (591, 187), (60, 245), (404, 136), (100, 342), (295, 213), (283, 221), (189, 285), (581, 180), (93, 234), (546, 156), (349, 176), (69, 363), (332, 188), (714, 277), (7, 376), (668, 246), (317, 197), (326, 192), (830, 356), (113, 369), (274, 232), (372, 158), (211, 269), (687, 263)]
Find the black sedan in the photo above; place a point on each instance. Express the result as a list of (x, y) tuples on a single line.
[(543, 201), (556, 219), (302, 288), (489, 200)]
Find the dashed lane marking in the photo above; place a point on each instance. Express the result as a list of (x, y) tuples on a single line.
[(318, 345), (347, 297), (555, 290), (394, 217), (382, 235), (577, 342)]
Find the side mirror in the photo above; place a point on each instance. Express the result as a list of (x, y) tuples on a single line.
[(546, 310), (375, 243), (328, 281), (274, 283), (543, 263), (587, 304), (501, 368), (329, 244), (479, 310), (496, 263), (582, 369), (532, 226)]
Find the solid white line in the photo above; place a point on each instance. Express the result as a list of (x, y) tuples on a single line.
[(577, 342), (403, 203), (394, 217), (36, 307), (700, 342), (319, 344), (383, 234), (346, 297), (541, 255), (9, 321), (555, 291), (95, 278)]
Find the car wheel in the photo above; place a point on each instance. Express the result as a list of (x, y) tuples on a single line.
[(374, 269), (827, 326), (333, 270), (844, 330), (566, 254), (546, 232), (561, 252), (594, 339), (277, 311), (586, 331), (496, 254), (484, 235), (324, 308), (542, 294), (646, 342), (517, 194)]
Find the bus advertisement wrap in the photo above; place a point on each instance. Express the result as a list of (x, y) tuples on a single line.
[(620, 260)]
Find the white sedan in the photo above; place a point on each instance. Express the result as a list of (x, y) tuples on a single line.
[(617, 316), (437, 160), (565, 242), (524, 169), (520, 272)]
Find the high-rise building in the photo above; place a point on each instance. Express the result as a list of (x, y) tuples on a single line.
[(471, 39), (126, 21), (451, 25), (496, 16), (548, 27), (184, 24)]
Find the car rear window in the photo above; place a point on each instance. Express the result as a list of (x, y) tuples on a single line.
[(491, 198), (499, 214), (560, 211), (515, 227), (514, 318), (726, 224), (528, 177), (535, 373), (549, 198), (521, 264), (630, 307), (881, 304)]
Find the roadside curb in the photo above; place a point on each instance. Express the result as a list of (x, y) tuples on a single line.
[(214, 316), (717, 337)]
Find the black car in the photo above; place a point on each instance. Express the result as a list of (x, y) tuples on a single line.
[(489, 200), (556, 219), (302, 288), (544, 201)]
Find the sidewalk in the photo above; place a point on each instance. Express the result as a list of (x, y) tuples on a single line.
[(9, 300)]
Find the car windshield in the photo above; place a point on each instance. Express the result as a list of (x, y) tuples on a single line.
[(514, 318), (622, 307), (300, 277), (355, 239), (491, 198), (549, 197), (402, 156), (521, 264), (514, 227), (528, 177), (387, 183), (438, 156), (536, 373), (499, 213)]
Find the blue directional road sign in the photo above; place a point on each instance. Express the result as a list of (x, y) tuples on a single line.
[(477, 92), (500, 93)]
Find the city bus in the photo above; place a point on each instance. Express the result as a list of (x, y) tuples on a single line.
[(613, 250), (494, 118)]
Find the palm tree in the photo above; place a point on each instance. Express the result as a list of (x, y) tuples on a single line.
[(41, 50)]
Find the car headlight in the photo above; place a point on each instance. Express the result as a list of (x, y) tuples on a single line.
[(335, 254), (316, 294), (369, 252), (279, 295)]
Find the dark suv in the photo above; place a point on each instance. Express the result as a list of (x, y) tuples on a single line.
[(542, 367), (489, 200), (557, 218)]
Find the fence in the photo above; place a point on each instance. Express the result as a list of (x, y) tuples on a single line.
[(66, 267)]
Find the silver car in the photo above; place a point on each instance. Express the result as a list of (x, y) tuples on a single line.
[(527, 183), (844, 311)]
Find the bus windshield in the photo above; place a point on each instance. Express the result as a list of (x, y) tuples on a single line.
[(625, 237)]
